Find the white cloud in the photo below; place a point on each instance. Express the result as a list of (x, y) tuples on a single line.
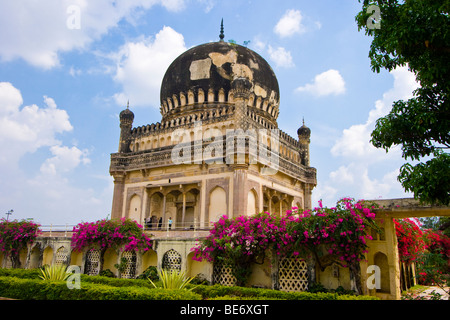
[(342, 175), (355, 141), (141, 66), (24, 130), (290, 24), (280, 56), (64, 159), (45, 193), (37, 31), (368, 172), (327, 83)]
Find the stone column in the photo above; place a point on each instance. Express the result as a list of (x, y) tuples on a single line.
[(164, 222), (239, 195), (184, 211), (240, 89), (119, 187)]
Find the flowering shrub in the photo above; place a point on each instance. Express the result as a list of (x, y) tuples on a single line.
[(430, 250), (241, 241), (14, 236), (433, 265), (341, 230), (409, 238), (124, 233)]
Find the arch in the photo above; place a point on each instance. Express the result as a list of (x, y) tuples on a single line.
[(23, 256), (381, 260), (110, 259), (252, 203), (129, 259), (149, 259), (196, 268), (76, 258), (61, 256), (284, 207), (35, 261), (134, 211), (171, 260), (275, 205), (47, 257), (92, 266), (217, 204)]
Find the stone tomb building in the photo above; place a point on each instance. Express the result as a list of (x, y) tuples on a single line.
[(217, 149)]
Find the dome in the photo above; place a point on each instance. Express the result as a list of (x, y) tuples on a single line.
[(126, 115), (200, 73), (304, 131)]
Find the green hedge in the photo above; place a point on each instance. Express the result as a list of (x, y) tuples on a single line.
[(242, 293), (98, 287), (34, 289)]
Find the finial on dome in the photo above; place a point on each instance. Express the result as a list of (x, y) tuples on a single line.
[(128, 104), (221, 36)]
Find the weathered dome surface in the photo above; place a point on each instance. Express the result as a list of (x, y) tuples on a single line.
[(213, 67), (304, 131), (126, 114)]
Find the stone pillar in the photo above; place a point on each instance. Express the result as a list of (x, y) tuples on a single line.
[(239, 194), (240, 88), (164, 211), (118, 195), (393, 257), (184, 210)]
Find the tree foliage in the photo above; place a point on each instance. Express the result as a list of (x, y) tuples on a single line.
[(327, 235), (16, 235), (125, 233), (415, 33)]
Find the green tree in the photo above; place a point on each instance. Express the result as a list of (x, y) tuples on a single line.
[(415, 33)]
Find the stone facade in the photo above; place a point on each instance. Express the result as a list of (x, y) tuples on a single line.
[(217, 150)]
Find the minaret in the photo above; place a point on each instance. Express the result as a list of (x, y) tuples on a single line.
[(126, 123), (304, 135), (221, 35)]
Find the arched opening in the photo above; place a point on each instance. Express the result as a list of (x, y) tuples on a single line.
[(149, 259), (34, 257), (47, 257), (128, 262), (110, 259), (380, 260), (171, 261), (155, 211), (252, 203), (92, 267), (61, 256), (134, 212), (217, 204)]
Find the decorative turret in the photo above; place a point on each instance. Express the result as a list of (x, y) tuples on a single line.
[(126, 123), (304, 135)]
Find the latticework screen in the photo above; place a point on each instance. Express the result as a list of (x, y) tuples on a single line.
[(222, 275), (293, 275), (130, 268), (172, 260), (61, 256), (93, 262)]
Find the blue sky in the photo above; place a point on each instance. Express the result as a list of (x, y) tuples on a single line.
[(67, 69)]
